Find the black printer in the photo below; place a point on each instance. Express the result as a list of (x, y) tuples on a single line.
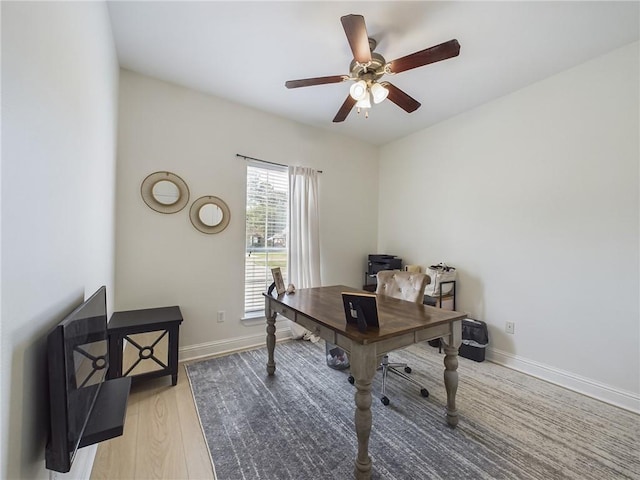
[(379, 262)]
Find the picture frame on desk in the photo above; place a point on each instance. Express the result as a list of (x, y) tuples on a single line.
[(278, 280), (361, 309)]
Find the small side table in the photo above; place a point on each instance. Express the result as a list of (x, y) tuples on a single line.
[(123, 325)]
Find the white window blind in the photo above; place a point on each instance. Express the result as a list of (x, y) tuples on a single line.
[(266, 230)]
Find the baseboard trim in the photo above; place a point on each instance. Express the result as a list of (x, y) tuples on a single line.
[(229, 345), (599, 391)]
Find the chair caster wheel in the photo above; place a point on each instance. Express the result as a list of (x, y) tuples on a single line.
[(407, 369), (424, 392), (385, 401), (351, 379)]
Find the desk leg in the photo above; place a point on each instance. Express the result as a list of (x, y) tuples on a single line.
[(451, 345), (363, 368), (271, 342)]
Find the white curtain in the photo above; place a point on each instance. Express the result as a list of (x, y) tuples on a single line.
[(304, 235)]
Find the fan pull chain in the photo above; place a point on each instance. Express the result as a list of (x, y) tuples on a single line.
[(366, 112)]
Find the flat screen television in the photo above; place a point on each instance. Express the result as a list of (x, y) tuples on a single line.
[(77, 357)]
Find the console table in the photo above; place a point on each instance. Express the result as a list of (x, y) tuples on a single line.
[(157, 353)]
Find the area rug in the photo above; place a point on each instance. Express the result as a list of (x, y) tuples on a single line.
[(299, 423)]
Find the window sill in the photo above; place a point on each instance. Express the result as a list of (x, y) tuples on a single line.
[(258, 319), (251, 319)]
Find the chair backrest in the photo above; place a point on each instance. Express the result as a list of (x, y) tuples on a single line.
[(403, 285)]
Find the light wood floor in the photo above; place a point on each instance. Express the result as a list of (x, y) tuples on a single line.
[(162, 436)]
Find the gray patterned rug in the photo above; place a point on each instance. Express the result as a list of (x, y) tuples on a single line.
[(298, 424)]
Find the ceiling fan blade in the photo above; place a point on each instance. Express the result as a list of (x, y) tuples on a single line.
[(308, 82), (356, 31), (344, 109), (404, 101), (424, 57)]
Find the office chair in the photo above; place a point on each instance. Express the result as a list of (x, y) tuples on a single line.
[(405, 286)]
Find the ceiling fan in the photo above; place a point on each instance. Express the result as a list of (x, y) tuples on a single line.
[(368, 67)]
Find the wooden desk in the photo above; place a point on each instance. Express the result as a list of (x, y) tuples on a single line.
[(402, 323)]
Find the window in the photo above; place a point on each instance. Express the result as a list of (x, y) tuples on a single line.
[(266, 231)]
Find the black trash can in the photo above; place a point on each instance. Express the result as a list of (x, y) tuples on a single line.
[(475, 338)]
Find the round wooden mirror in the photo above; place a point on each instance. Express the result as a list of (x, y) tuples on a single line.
[(210, 214), (165, 192)]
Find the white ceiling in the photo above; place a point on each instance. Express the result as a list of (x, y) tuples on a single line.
[(245, 51)]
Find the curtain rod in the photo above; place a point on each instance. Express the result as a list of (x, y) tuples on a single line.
[(265, 161)]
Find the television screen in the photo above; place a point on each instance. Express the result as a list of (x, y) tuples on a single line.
[(77, 354)]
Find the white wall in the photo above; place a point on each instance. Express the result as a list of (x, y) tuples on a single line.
[(163, 260), (534, 198), (59, 100)]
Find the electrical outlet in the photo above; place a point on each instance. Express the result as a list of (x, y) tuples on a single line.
[(220, 316), (510, 328)]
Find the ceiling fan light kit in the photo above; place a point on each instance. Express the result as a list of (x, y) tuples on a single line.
[(365, 102), (358, 90), (378, 92), (367, 67)]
